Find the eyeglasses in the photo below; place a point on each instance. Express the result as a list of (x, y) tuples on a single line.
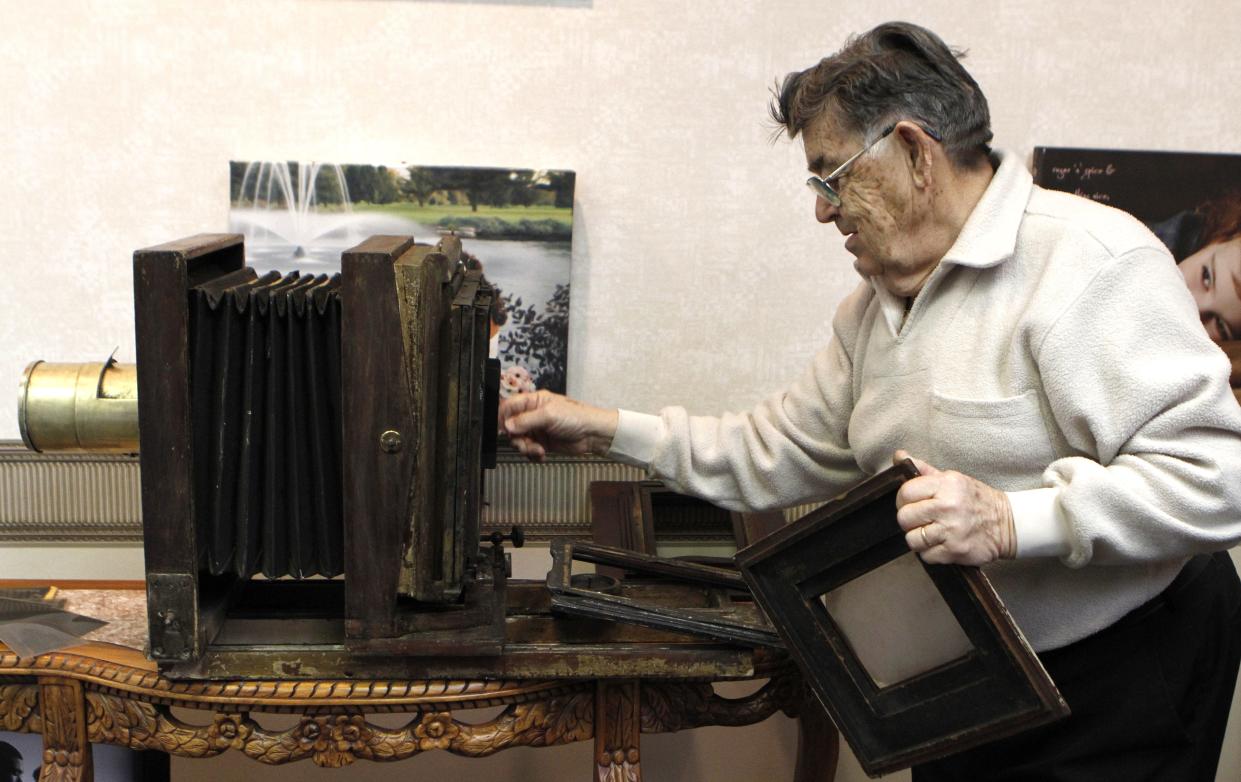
[(824, 187)]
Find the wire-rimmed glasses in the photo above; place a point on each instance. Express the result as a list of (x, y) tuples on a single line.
[(824, 187)]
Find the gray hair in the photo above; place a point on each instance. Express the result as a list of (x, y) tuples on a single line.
[(896, 71)]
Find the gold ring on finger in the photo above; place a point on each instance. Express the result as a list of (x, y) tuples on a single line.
[(925, 543)]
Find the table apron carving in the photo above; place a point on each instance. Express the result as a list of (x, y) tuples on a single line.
[(71, 713)]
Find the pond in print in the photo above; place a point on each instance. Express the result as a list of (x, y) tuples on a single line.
[(527, 273)]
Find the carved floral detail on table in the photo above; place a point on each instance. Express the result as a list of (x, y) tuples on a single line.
[(112, 719), (679, 706), (230, 731), (559, 720), (436, 731), (336, 740), (332, 740), (132, 708), (17, 708)]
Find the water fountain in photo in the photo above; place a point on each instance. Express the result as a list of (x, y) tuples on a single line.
[(300, 215)]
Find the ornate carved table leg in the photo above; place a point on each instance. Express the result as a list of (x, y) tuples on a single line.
[(618, 729), (818, 743), (66, 752)]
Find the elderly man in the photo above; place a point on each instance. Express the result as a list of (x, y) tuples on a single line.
[(1039, 357)]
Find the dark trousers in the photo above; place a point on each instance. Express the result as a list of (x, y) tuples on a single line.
[(1149, 695)]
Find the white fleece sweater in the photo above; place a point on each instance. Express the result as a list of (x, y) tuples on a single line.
[(1055, 353)]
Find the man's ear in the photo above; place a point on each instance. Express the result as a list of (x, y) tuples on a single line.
[(918, 147)]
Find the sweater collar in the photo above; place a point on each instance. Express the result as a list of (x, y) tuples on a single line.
[(989, 235)]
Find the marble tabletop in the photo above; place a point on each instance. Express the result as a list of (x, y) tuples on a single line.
[(124, 610)]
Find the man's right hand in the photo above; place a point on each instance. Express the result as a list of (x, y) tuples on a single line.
[(541, 423)]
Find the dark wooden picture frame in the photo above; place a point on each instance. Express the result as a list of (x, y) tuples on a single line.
[(996, 689)]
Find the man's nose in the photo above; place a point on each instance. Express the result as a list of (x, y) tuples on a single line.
[(824, 212)]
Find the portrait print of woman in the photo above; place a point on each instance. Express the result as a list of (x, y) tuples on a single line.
[(1206, 242), (1190, 200)]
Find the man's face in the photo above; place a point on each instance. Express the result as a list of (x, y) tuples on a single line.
[(11, 771), (881, 212)]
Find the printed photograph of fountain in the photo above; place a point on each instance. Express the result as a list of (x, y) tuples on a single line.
[(516, 223)]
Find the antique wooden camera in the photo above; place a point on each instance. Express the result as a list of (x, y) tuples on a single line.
[(314, 446)]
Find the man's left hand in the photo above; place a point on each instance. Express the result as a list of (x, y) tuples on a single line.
[(953, 518)]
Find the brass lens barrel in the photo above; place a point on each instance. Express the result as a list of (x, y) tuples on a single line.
[(90, 406)]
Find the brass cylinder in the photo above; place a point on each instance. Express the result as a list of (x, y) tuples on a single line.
[(90, 407)]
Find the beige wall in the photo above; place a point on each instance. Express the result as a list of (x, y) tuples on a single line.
[(699, 276), (120, 119)]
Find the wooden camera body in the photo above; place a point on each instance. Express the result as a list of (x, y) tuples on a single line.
[(312, 449)]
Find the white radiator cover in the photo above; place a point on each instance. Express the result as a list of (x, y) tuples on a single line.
[(67, 498)]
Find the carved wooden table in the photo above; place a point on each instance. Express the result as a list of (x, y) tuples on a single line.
[(107, 693)]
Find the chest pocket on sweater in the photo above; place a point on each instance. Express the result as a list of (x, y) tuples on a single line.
[(1001, 441)]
